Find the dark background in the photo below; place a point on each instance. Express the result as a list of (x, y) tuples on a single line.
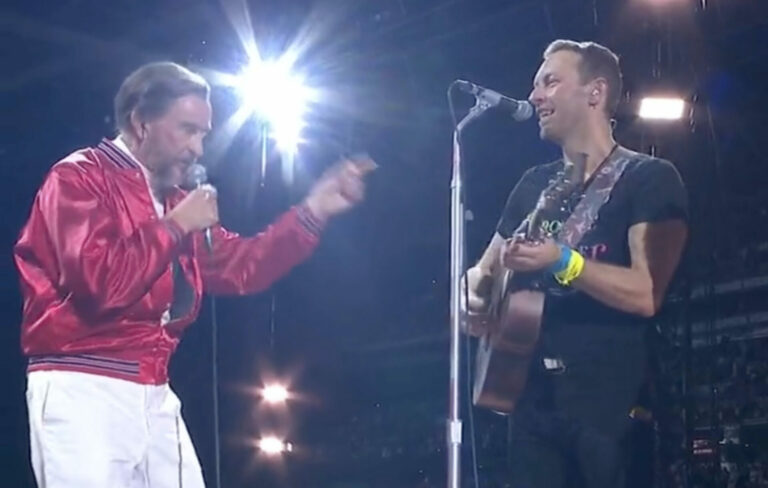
[(361, 329)]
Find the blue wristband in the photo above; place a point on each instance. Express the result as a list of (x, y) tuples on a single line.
[(565, 257)]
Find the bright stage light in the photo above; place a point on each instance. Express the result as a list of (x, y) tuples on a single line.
[(278, 96), (273, 446), (654, 108), (275, 393)]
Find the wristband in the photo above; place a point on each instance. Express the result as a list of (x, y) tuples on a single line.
[(572, 271), (561, 264)]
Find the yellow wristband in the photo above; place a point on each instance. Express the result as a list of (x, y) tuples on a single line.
[(572, 271)]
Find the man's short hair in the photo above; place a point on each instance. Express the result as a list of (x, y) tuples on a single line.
[(151, 89), (597, 61)]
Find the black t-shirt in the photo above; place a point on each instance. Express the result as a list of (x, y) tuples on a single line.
[(603, 348)]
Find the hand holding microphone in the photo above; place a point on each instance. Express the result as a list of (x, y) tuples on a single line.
[(199, 210)]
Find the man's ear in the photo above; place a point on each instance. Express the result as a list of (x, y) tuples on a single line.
[(138, 126), (598, 91)]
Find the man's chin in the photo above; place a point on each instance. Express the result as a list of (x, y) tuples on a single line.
[(547, 134), (173, 177)]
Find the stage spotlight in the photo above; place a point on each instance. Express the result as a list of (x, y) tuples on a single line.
[(272, 446), (274, 393), (655, 108), (279, 97)]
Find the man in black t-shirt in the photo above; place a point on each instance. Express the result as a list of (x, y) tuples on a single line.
[(570, 426)]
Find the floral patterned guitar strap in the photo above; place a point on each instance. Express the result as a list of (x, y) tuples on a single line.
[(597, 194)]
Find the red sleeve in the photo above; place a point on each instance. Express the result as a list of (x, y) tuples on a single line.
[(104, 269), (241, 265)]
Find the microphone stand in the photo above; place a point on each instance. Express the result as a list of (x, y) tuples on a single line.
[(457, 311)]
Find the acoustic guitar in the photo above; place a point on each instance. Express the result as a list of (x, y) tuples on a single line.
[(513, 320)]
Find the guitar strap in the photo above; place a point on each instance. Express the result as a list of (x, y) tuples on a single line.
[(597, 194)]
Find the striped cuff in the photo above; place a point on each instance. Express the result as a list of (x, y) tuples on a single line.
[(309, 221)]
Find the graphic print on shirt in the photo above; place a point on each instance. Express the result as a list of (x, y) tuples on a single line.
[(589, 251)]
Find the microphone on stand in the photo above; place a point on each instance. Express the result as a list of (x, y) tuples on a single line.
[(520, 109), (197, 176)]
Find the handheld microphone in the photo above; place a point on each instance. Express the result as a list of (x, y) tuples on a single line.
[(197, 176), (520, 109)]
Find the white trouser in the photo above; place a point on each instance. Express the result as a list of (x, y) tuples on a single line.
[(90, 431)]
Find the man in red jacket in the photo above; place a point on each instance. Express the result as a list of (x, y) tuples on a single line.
[(113, 264)]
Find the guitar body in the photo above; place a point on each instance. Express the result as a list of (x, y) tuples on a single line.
[(504, 353)]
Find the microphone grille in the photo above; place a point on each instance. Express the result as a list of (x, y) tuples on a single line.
[(196, 175), (524, 111)]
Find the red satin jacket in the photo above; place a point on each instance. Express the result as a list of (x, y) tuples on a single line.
[(99, 268)]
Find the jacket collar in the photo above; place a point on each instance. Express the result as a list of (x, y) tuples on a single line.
[(117, 156)]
